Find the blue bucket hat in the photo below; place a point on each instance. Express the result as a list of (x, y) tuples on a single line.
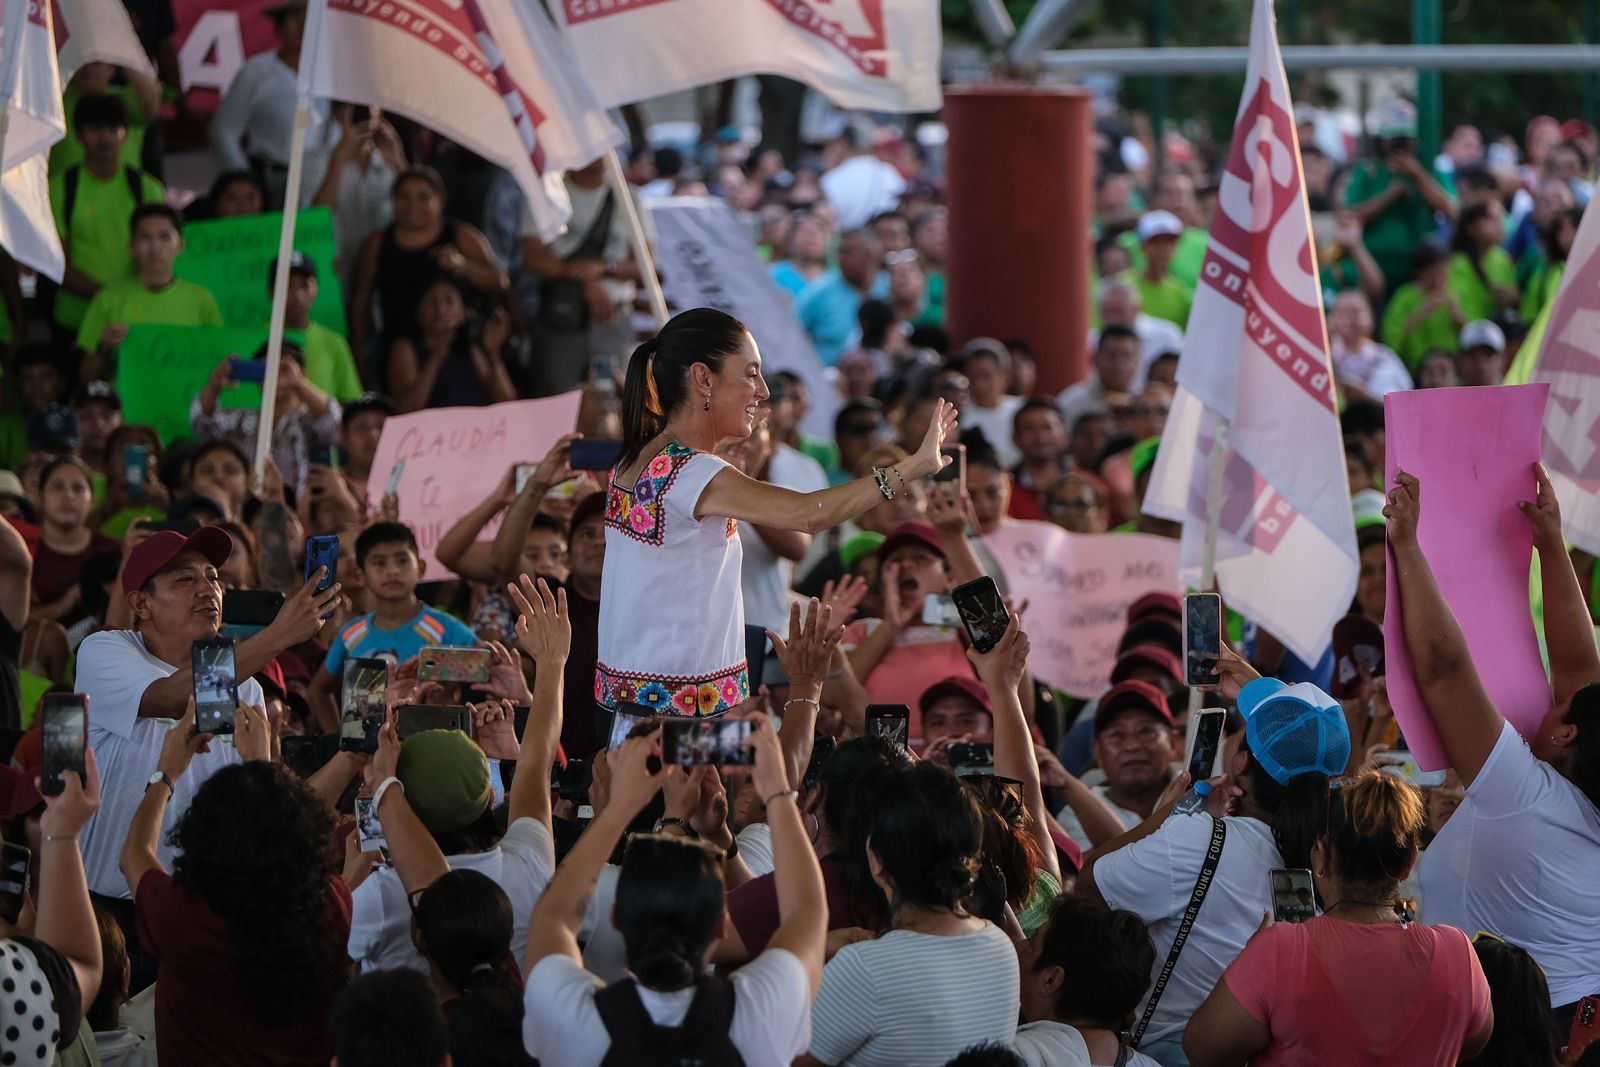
[(1294, 729)]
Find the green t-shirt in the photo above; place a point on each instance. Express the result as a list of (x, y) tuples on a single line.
[(329, 364), (1393, 236), (116, 527), (1473, 290), (68, 151), (1438, 330), (1167, 299), (933, 307), (1187, 258), (96, 237), (13, 440), (1541, 290), (179, 304)]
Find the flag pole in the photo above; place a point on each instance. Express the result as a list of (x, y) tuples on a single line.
[(641, 246), (1208, 557), (291, 212)]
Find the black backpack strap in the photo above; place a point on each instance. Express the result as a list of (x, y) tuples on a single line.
[(1202, 885), (712, 1008), (625, 1019), (135, 179), (69, 194)]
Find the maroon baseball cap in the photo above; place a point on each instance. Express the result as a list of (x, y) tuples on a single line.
[(1155, 604), (271, 678), (1357, 643), (911, 533), (18, 794), (590, 506), (1146, 656), (1124, 696), (956, 685), (158, 550)]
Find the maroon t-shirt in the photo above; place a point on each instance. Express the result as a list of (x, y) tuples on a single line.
[(54, 572), (202, 1015), (753, 907)]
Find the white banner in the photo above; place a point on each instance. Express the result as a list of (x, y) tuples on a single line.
[(27, 226), (489, 74), (32, 88), (707, 259), (1569, 360), (1256, 353), (878, 55), (93, 31)]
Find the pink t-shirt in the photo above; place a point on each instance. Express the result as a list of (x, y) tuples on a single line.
[(1340, 994), (920, 656)]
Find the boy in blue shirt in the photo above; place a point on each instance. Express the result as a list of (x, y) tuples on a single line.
[(399, 626)]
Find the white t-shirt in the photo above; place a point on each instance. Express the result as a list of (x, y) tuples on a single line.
[(910, 998), (114, 670), (671, 610), (380, 914), (755, 848), (1052, 1044), (1081, 399), (766, 576), (1154, 878), (995, 423), (1374, 367), (1074, 829), (1521, 859), (605, 954), (771, 1022)]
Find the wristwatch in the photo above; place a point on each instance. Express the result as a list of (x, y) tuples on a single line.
[(160, 776), (683, 824)]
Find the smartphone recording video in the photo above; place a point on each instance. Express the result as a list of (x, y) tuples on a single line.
[(706, 743), (892, 722), (66, 731), (969, 758), (983, 612), (1294, 897), (1202, 639), (322, 550), (1207, 732), (624, 719), (369, 831), (366, 683), (216, 688)]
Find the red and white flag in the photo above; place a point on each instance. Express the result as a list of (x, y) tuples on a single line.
[(1569, 359), (879, 55), (490, 75), (32, 88), (93, 31), (1256, 353)]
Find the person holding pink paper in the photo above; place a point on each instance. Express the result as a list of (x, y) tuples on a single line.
[(1521, 857)]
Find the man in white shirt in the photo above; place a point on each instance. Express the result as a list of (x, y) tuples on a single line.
[(139, 682), (1134, 744), (1366, 369), (987, 365), (1116, 368), (1118, 303)]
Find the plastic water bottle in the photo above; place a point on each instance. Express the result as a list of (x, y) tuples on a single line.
[(1194, 799)]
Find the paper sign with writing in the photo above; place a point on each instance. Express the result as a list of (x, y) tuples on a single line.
[(1473, 450), (1078, 588), (233, 258), (161, 369), (454, 457)]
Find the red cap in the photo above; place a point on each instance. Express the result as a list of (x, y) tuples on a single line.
[(1155, 604), (1125, 695), (1146, 656), (272, 674), (158, 550), (1576, 129), (18, 794), (955, 685), (911, 533)]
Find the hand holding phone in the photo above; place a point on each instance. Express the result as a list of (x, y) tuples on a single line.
[(1206, 738), (454, 663), (216, 688), (983, 612), (1202, 640), (365, 706), (1294, 896), (322, 550), (690, 743), (65, 737), (891, 722)]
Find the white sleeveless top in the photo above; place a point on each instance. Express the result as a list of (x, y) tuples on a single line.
[(671, 609)]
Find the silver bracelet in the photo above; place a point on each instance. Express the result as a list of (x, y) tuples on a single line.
[(801, 700), (881, 476), (790, 792)]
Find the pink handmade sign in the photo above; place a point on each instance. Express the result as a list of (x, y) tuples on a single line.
[(1473, 451), (1078, 588), (454, 457)]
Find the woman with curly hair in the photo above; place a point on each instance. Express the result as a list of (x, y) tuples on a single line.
[(250, 926)]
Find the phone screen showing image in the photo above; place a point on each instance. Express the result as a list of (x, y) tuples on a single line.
[(366, 683), (454, 663), (891, 722), (1294, 898), (1207, 743), (624, 719), (971, 758), (368, 829), (983, 612), (216, 691), (66, 728), (1202, 639), (706, 743)]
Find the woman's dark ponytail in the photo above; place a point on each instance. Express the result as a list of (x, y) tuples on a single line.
[(657, 381), (1299, 810)]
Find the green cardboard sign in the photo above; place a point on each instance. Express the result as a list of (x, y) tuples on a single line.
[(161, 369), (232, 258)]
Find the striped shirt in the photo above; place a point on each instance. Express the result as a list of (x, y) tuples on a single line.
[(909, 998), (361, 639)]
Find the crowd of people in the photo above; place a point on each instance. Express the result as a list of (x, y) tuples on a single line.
[(497, 867)]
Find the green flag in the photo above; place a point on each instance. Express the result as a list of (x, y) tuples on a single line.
[(233, 258)]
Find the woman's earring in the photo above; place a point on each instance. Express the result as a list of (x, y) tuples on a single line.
[(708, 401)]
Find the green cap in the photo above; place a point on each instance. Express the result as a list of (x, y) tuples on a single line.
[(446, 778), (862, 544)]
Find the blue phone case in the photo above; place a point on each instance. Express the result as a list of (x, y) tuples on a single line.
[(249, 370)]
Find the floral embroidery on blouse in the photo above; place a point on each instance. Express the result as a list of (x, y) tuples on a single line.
[(706, 695), (641, 513)]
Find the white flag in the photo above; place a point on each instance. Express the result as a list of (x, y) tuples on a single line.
[(488, 74), (879, 55), (94, 31), (1256, 353), (1569, 359), (35, 121)]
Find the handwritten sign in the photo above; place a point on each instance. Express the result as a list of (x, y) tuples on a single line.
[(1473, 450), (161, 369), (233, 258), (1078, 588), (454, 457)]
